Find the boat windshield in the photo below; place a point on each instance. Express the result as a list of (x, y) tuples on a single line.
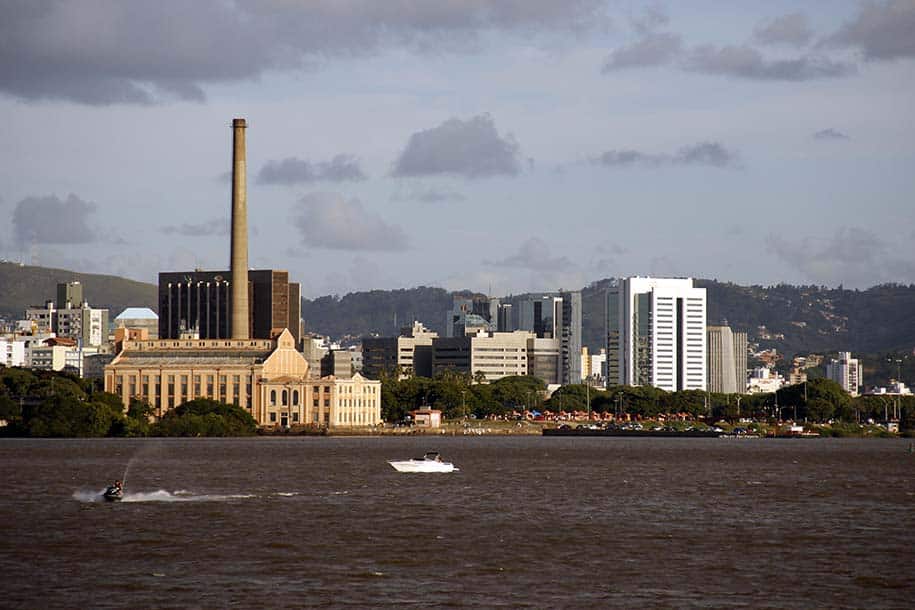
[(433, 455)]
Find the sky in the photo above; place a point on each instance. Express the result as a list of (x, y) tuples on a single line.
[(500, 146)]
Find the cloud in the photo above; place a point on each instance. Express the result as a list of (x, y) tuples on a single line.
[(295, 171), (881, 30), (534, 254), (853, 257), (791, 29), (830, 134), (746, 62), (650, 50), (426, 195), (649, 20), (470, 149), (49, 220), (711, 154), (212, 227), (327, 220), (140, 52)]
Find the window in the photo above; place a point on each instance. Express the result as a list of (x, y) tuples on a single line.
[(272, 397), (272, 417), (295, 398), (285, 398)]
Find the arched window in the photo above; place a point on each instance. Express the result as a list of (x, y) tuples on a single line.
[(295, 398), (272, 397), (285, 398)]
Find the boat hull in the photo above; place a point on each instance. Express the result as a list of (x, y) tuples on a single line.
[(421, 466)]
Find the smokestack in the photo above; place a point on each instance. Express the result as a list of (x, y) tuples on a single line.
[(239, 253)]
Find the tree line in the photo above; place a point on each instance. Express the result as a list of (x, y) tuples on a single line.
[(52, 404), (457, 395)]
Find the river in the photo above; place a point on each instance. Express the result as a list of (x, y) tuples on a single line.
[(526, 522)]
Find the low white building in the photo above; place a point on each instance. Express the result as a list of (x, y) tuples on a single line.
[(12, 352), (763, 380)]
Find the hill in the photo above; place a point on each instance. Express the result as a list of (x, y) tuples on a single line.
[(24, 286), (792, 319)]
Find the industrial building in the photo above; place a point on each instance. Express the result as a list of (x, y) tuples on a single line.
[(231, 336)]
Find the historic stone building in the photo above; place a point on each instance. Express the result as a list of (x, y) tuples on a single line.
[(267, 377)]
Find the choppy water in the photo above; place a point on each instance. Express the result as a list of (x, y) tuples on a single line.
[(527, 522)]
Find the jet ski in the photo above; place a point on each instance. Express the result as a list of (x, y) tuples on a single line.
[(113, 494)]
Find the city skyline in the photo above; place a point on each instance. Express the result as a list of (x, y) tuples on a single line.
[(497, 147)]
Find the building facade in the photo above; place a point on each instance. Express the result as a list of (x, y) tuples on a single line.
[(846, 371), (556, 316), (656, 334), (267, 377), (12, 352), (727, 360), (201, 300), (410, 352), (492, 355), (71, 317)]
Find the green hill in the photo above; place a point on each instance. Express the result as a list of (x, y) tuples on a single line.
[(24, 286), (792, 319)]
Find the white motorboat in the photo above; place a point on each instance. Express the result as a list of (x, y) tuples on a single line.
[(431, 462)]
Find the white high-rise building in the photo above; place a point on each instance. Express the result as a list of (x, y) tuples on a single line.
[(846, 371), (656, 334)]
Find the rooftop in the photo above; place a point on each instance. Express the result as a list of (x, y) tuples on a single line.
[(137, 313)]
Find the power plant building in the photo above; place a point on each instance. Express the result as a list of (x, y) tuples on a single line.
[(201, 301), (231, 336)]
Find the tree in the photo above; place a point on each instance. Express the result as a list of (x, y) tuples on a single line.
[(65, 416), (205, 417)]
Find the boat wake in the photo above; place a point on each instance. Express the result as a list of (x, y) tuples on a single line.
[(162, 495)]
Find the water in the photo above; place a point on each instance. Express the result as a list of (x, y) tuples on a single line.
[(527, 522)]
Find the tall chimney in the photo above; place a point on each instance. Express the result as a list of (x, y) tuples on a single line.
[(239, 254)]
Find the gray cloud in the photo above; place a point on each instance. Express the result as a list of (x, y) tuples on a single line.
[(426, 195), (747, 62), (649, 20), (141, 52), (652, 49), (471, 149), (711, 154), (792, 29), (830, 134), (48, 220), (213, 227), (534, 254), (881, 30), (296, 171), (854, 257), (327, 220)]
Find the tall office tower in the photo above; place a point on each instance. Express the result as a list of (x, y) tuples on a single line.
[(556, 316), (740, 360), (846, 371), (722, 360), (656, 333)]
